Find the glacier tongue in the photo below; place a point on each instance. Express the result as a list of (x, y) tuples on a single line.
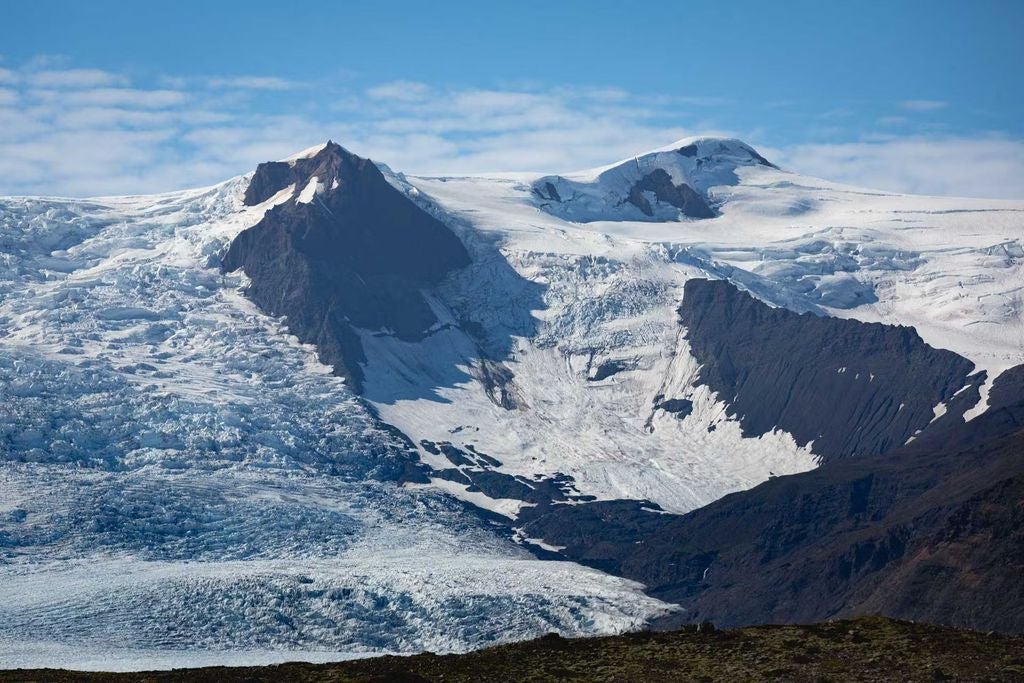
[(208, 567), (180, 476)]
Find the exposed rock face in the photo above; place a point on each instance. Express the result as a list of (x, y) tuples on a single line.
[(680, 407), (346, 251), (663, 185), (270, 178), (681, 196), (607, 369), (851, 388), (548, 191), (931, 532)]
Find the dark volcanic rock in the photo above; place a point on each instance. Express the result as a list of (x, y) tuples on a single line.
[(691, 151), (609, 368), (851, 388), (688, 150), (270, 178), (681, 196), (680, 407), (552, 192), (356, 256), (499, 383)]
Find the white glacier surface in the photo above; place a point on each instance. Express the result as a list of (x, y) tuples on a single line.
[(182, 483), (592, 281)]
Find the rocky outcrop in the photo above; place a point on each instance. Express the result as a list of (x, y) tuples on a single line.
[(270, 178), (346, 252), (681, 196), (844, 386)]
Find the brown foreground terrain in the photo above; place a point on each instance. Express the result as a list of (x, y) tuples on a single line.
[(864, 649)]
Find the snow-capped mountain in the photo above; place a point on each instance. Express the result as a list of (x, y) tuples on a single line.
[(328, 409)]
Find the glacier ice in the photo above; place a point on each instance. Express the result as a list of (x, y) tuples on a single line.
[(181, 481)]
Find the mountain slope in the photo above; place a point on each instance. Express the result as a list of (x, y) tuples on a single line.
[(577, 317), (848, 387), (181, 481), (930, 532), (346, 250)]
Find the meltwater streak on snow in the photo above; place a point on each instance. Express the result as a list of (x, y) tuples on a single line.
[(180, 475), (952, 268)]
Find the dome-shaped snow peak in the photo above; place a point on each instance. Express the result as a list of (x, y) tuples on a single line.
[(670, 183)]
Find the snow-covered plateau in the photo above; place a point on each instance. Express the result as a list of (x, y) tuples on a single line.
[(181, 481)]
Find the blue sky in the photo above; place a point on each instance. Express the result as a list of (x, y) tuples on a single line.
[(115, 97)]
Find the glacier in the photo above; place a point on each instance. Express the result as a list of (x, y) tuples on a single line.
[(603, 292), (181, 481)]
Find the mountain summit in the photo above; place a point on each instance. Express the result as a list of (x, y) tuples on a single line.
[(670, 183), (341, 249)]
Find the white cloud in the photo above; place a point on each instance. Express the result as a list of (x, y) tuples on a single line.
[(74, 78), (120, 136), (991, 167), (115, 97), (924, 105), (251, 83), (402, 91), (893, 121), (112, 117)]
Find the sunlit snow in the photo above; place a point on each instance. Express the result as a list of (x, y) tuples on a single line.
[(182, 482)]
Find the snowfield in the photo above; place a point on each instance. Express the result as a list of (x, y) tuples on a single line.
[(182, 482), (605, 290)]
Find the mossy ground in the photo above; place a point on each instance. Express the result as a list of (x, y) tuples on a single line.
[(865, 649)]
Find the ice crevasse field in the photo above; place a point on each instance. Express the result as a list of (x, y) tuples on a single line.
[(184, 483)]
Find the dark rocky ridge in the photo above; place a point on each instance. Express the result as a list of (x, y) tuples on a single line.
[(933, 531), (851, 388), (681, 196), (680, 407), (356, 256)]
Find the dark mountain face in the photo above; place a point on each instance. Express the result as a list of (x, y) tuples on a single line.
[(851, 388), (933, 531), (356, 255)]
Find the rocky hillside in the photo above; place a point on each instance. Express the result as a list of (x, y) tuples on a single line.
[(932, 531), (868, 649)]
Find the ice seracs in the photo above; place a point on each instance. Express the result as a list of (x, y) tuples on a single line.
[(182, 481)]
